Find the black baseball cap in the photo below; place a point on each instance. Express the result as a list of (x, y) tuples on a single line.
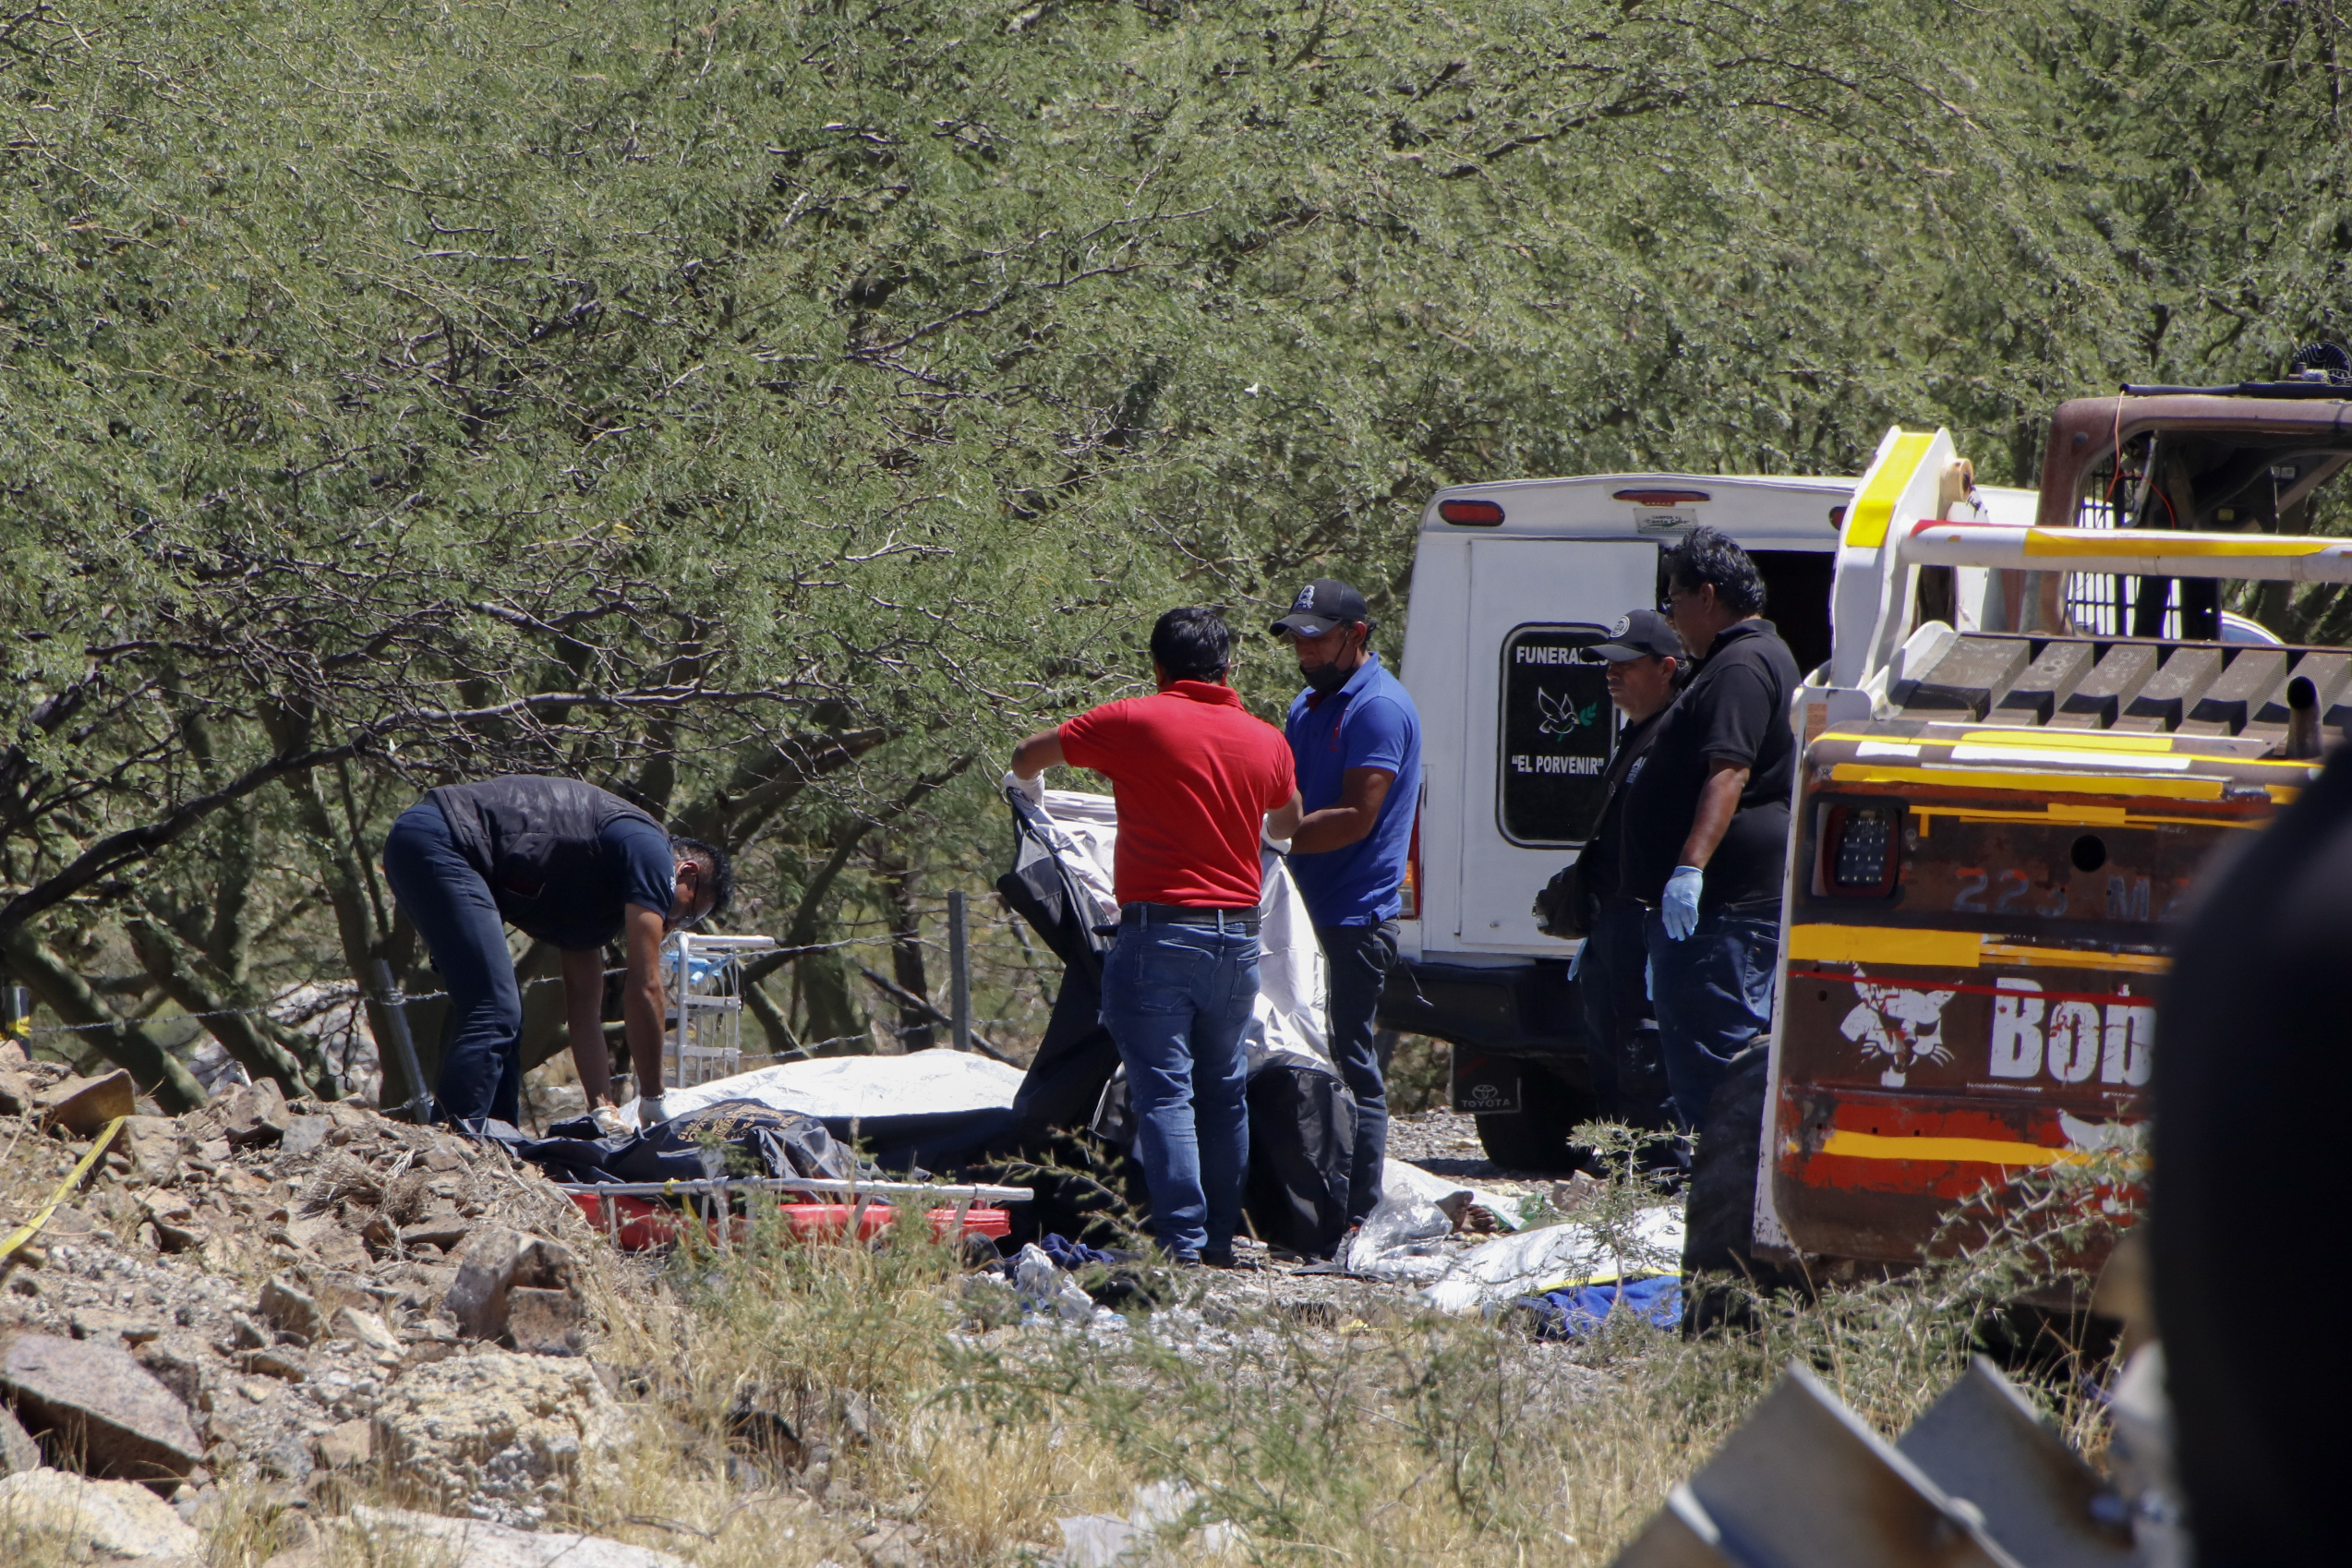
[(1642, 633), (1322, 604)]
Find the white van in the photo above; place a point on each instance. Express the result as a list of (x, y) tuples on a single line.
[(1511, 583)]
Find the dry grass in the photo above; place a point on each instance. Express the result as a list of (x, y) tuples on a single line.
[(1424, 1440), (1419, 1441)]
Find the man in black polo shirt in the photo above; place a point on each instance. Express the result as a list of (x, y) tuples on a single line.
[(565, 864), (1706, 821)]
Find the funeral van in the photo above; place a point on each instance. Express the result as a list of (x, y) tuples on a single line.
[(1513, 584)]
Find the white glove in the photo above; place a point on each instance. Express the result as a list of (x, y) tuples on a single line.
[(1678, 909), (1266, 836), (1029, 789), (609, 1121), (651, 1113)]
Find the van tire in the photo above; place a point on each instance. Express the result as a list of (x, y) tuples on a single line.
[(1719, 1223), (1535, 1137)]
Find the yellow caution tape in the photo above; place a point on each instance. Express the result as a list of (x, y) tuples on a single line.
[(26, 1232)]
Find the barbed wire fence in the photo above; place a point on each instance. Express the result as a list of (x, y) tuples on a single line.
[(312, 1000)]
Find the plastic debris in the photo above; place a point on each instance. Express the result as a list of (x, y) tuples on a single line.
[(1579, 1252)]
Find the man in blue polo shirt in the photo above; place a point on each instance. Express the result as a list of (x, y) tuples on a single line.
[(1357, 743)]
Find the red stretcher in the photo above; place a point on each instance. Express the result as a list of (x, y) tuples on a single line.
[(635, 1216)]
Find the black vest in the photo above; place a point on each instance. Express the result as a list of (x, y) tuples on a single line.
[(534, 842)]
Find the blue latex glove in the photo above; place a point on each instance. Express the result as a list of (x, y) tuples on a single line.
[(1576, 960), (1679, 909)]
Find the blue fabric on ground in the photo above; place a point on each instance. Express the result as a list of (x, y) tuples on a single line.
[(1072, 1255), (1573, 1313)]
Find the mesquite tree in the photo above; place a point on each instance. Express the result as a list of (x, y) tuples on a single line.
[(772, 411)]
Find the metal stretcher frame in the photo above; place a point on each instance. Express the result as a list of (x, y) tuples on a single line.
[(715, 1196)]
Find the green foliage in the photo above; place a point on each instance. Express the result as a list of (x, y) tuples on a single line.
[(756, 407)]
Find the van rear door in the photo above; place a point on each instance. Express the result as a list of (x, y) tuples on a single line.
[(1538, 728)]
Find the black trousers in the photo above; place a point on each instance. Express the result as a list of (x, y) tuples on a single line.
[(1629, 1072), (1358, 958)]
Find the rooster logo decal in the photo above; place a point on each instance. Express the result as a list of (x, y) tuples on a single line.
[(1561, 714)]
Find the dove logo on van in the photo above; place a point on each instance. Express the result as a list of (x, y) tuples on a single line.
[(1561, 714)]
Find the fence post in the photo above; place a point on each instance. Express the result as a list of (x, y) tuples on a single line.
[(959, 970), (401, 1047)]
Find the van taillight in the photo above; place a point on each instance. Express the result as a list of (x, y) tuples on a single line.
[(1476, 514), (1410, 908), (1860, 849)]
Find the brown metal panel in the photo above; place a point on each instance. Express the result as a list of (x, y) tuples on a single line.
[(2087, 431), (1968, 678), (2253, 674), (2112, 682), (2047, 681), (2184, 676)]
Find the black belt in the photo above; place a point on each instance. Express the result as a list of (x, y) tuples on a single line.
[(1243, 920)]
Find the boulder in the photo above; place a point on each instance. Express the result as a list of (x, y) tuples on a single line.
[(256, 1114), (83, 1105), (113, 1328), (543, 1322), (341, 1447), (397, 1535), (176, 1228), (107, 1519), (445, 1423), (287, 1305), (305, 1133), (498, 1267), (19, 1453), (276, 1362), (181, 1363), (320, 1239), (372, 1332), (153, 1145), (99, 1403)]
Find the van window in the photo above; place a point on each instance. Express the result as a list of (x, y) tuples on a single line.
[(1558, 731), (1796, 598)]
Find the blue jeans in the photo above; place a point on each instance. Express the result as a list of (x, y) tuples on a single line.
[(1176, 999), (1713, 992), (1629, 1079), (453, 910)]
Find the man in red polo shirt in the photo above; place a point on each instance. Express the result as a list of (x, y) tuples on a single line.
[(1200, 783)]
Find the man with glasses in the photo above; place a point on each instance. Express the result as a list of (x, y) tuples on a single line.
[(1706, 821), (566, 864)]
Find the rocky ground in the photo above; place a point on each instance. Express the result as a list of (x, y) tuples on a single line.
[(272, 1298), (266, 1293)]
